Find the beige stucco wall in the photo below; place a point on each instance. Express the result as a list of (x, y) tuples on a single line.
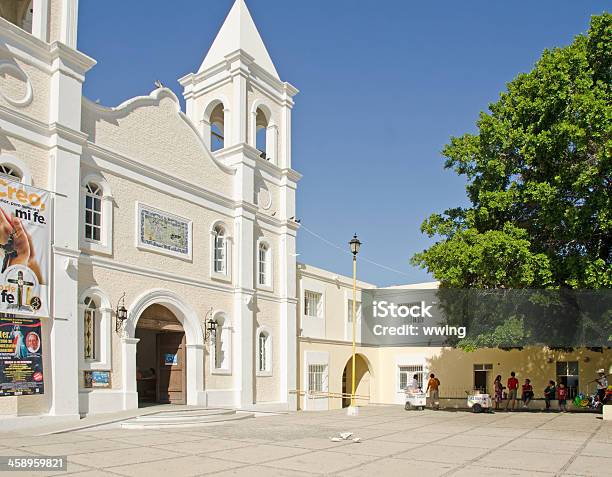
[(152, 132), (126, 194), (14, 87), (267, 388)]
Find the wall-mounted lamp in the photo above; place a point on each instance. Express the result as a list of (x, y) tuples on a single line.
[(210, 331), (121, 314)]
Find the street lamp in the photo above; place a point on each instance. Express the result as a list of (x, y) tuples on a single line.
[(354, 244)]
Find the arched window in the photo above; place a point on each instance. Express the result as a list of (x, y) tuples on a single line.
[(264, 132), (95, 330), (264, 266), (261, 126), (220, 250), (93, 212), (264, 352), (217, 128), (10, 172), (96, 222), (89, 329), (18, 12)]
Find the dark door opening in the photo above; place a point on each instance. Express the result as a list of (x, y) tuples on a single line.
[(160, 358)]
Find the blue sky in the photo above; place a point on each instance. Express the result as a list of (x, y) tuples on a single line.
[(383, 86)]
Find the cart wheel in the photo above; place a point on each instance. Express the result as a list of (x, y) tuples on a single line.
[(477, 408), (407, 406), (421, 408)]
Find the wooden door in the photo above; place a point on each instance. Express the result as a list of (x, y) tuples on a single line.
[(171, 368)]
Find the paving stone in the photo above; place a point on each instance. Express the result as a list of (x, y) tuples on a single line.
[(528, 461), (132, 455), (398, 467), (597, 449), (476, 471), (182, 466), (442, 454), (258, 454), (556, 446), (590, 465), (202, 446), (321, 462)]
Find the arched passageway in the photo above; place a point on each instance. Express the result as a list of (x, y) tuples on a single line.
[(362, 380)]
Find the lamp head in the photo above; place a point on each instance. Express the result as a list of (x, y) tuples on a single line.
[(355, 244)]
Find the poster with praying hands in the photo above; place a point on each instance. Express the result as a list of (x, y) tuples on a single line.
[(25, 238)]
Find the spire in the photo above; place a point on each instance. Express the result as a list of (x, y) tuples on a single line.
[(239, 33)]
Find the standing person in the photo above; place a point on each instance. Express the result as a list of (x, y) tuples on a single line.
[(513, 384), (562, 397), (602, 385), (549, 394), (499, 391), (527, 393), (433, 386)]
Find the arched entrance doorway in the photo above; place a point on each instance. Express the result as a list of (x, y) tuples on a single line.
[(193, 345), (362, 380), (161, 370)]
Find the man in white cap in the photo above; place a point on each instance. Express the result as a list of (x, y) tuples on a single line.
[(602, 384)]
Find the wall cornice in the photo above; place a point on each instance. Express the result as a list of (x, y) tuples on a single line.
[(147, 172), (22, 43)]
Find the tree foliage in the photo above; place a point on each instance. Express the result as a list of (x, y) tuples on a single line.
[(539, 179)]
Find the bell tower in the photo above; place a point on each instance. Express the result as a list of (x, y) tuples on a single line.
[(237, 96), (242, 109)]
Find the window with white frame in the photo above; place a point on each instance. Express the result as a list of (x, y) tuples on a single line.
[(350, 310), (219, 250), (264, 265), (313, 304), (264, 352), (89, 329), (406, 374), (93, 212), (316, 377), (10, 172)]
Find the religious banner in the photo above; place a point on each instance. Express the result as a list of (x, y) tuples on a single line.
[(25, 239), (21, 366)]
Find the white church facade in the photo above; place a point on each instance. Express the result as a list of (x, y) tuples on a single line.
[(182, 218)]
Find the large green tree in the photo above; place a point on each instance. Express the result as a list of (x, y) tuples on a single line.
[(538, 178)]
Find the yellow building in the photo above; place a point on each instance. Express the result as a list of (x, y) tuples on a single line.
[(382, 372)]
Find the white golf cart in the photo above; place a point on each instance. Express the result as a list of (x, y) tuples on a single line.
[(479, 402), (415, 399)]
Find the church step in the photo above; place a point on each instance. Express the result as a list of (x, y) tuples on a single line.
[(180, 415), (193, 421)]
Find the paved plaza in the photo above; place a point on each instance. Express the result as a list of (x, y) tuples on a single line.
[(393, 442)]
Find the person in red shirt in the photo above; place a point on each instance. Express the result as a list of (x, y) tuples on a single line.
[(527, 394), (513, 384), (562, 397)]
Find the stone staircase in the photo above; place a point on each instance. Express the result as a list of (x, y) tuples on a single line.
[(182, 418)]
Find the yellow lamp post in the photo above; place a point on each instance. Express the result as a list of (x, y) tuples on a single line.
[(354, 244)]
